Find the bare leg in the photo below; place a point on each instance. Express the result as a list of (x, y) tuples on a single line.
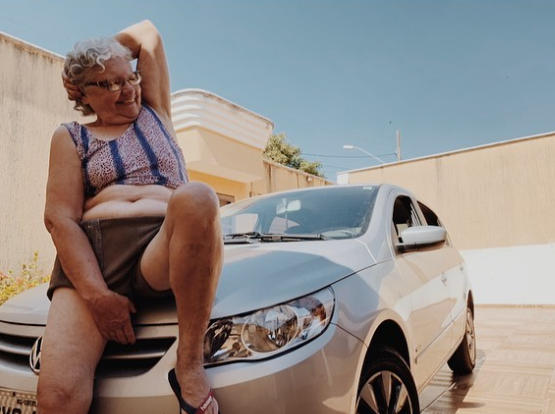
[(186, 255), (71, 350)]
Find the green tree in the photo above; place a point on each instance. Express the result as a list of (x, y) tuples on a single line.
[(280, 151)]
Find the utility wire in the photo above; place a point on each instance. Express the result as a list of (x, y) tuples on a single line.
[(346, 156), (335, 167)]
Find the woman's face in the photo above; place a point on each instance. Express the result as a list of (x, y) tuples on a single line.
[(113, 107)]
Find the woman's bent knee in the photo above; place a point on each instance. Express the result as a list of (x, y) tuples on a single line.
[(56, 398), (194, 200)]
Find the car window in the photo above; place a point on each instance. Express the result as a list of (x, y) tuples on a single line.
[(404, 216), (240, 223), (334, 212), (281, 225), (431, 217)]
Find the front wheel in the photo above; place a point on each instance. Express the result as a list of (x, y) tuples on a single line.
[(463, 360), (387, 387)]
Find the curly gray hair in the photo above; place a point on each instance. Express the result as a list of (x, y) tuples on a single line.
[(90, 54)]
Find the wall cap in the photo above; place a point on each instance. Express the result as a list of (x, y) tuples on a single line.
[(198, 108), (450, 153)]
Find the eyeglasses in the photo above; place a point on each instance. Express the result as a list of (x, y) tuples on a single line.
[(115, 85)]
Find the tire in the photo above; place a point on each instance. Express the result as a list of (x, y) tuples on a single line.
[(463, 360), (387, 386)]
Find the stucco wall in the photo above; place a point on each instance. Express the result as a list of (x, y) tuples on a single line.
[(217, 155), (496, 196), (236, 190), (32, 104), (278, 177)]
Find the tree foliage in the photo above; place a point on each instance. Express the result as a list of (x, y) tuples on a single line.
[(29, 276), (280, 151)]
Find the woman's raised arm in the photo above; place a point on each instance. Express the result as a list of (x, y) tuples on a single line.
[(147, 47)]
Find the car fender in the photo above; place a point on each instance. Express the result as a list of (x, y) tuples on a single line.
[(371, 298)]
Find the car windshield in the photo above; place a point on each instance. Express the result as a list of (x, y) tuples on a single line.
[(325, 213)]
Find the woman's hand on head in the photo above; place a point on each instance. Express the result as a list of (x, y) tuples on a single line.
[(73, 92), (112, 314)]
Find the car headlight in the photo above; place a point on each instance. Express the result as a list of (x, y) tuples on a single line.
[(269, 331)]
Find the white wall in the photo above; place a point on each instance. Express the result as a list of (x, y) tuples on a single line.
[(518, 275)]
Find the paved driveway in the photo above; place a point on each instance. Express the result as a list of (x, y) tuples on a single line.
[(515, 373)]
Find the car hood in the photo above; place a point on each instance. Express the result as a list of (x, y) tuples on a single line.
[(254, 276)]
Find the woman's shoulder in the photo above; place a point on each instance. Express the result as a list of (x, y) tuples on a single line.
[(72, 126), (148, 115), (73, 129), (151, 115), (147, 109), (63, 135)]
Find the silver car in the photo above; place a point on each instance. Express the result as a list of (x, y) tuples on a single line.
[(338, 299)]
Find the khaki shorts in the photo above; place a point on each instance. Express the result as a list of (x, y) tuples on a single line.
[(118, 245)]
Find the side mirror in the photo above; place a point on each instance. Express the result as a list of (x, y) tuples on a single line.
[(421, 236)]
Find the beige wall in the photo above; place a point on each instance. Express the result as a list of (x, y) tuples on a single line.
[(276, 178), (222, 186), (495, 196), (215, 154), (280, 178), (32, 105)]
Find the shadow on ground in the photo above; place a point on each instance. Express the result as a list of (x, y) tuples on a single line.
[(447, 391)]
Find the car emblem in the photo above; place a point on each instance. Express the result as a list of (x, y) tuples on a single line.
[(34, 358)]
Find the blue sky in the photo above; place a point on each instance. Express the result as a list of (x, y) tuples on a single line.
[(446, 74)]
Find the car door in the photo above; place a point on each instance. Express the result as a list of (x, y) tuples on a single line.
[(424, 273), (456, 277)]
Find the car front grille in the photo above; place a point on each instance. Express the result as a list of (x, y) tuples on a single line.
[(117, 361), (15, 350), (130, 360)]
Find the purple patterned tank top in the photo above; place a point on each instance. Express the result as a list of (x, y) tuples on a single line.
[(146, 153)]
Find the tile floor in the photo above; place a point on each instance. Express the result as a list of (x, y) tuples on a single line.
[(515, 373)]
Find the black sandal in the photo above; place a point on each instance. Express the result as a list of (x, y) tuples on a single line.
[(184, 405)]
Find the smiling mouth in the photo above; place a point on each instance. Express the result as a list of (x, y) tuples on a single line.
[(127, 102)]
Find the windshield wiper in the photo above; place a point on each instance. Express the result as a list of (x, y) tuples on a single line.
[(291, 237), (254, 236), (242, 237)]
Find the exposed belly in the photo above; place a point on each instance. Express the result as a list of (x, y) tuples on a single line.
[(128, 201)]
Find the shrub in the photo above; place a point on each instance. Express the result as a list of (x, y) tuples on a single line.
[(29, 276)]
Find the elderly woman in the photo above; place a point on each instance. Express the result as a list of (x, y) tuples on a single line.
[(126, 223)]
